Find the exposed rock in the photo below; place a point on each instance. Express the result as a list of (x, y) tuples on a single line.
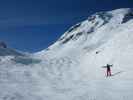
[(3, 44)]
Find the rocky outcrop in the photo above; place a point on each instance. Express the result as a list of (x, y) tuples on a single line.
[(3, 44)]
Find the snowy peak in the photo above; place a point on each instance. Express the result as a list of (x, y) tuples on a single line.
[(93, 32), (128, 16), (86, 27), (95, 22)]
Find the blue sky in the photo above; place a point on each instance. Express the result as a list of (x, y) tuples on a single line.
[(32, 25)]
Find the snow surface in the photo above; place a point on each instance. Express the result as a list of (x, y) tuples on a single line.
[(71, 68)]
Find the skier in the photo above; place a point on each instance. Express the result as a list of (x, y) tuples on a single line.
[(108, 71)]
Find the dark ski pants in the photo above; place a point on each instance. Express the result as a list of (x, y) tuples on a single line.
[(108, 72)]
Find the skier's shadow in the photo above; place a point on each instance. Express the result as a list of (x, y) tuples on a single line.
[(117, 73)]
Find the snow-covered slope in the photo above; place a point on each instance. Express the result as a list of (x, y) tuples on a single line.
[(71, 68), (91, 33)]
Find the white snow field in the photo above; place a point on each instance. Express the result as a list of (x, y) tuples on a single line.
[(71, 68)]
